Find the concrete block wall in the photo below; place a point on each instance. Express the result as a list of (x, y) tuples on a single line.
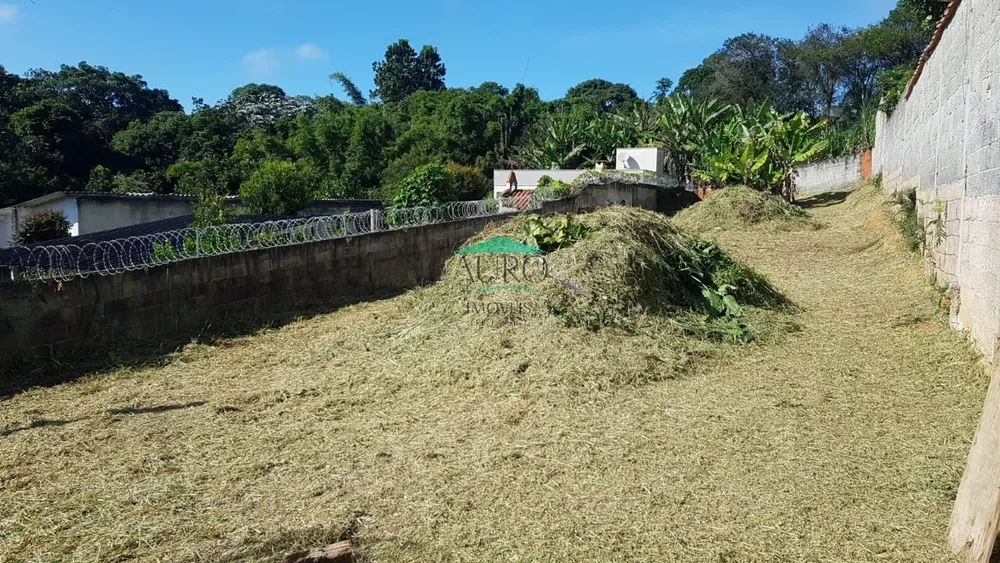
[(53, 320), (944, 141), (829, 175)]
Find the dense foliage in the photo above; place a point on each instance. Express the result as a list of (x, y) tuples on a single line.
[(277, 188), (40, 226), (427, 186), (85, 127)]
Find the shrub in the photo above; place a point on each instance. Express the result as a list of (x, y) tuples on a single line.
[(40, 226), (468, 183), (100, 180), (277, 188), (549, 189), (427, 186)]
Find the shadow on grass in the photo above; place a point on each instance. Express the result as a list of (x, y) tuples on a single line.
[(41, 423), (146, 353), (159, 409), (825, 199), (45, 423)]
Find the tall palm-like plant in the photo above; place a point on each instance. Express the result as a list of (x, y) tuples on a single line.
[(796, 141), (558, 144), (685, 126), (760, 148)]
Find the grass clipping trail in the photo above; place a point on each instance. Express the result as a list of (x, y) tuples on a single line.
[(632, 279)]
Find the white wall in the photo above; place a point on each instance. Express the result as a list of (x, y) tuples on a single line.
[(828, 175), (528, 179), (649, 159), (945, 142), (6, 228)]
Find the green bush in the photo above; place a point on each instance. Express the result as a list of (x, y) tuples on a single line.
[(427, 186), (40, 226), (892, 83), (547, 181), (100, 181), (468, 183), (277, 188)]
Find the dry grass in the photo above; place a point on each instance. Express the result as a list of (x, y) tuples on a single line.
[(842, 442), (740, 207)]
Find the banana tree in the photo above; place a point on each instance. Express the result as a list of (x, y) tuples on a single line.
[(686, 125), (796, 141), (559, 143)]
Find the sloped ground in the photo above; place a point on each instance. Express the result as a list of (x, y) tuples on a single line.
[(842, 442)]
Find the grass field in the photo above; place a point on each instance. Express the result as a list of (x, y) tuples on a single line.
[(842, 441)]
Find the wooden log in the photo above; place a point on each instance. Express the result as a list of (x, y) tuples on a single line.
[(976, 516)]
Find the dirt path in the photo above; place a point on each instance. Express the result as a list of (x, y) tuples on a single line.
[(842, 442)]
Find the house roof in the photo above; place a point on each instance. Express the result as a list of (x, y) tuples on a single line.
[(949, 15)]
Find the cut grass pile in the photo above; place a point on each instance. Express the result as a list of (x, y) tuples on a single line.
[(629, 268), (739, 207), (535, 441)]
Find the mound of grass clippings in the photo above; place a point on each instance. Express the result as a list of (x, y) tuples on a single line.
[(625, 267), (737, 207)]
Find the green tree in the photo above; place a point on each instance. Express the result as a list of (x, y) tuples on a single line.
[(930, 10), (253, 90), (156, 143), (601, 95), (277, 188), (100, 180), (403, 71), (468, 183), (352, 91), (365, 156), (427, 186), (663, 88)]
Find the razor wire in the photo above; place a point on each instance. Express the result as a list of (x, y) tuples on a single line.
[(65, 262)]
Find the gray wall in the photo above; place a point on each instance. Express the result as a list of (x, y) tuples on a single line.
[(829, 175), (53, 320), (100, 212), (945, 142)]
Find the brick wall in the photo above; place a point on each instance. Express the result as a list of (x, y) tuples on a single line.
[(829, 175), (58, 319), (945, 142)]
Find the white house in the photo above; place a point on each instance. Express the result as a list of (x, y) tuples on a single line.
[(648, 159)]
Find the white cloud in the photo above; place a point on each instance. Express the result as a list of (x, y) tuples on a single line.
[(310, 51), (8, 13), (262, 61)]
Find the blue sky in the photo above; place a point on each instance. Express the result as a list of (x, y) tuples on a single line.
[(208, 47)]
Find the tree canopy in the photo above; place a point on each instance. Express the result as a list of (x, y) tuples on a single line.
[(87, 127)]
